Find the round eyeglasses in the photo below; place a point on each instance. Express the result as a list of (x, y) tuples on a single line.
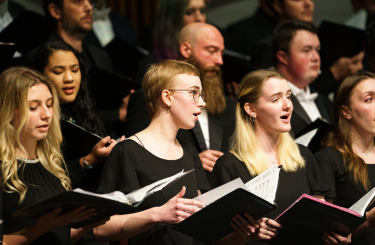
[(195, 91)]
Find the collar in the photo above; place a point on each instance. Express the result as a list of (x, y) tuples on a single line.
[(3, 8), (101, 14), (302, 95)]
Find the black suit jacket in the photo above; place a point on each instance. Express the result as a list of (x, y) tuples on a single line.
[(15, 9), (300, 119), (221, 127), (243, 35), (122, 27)]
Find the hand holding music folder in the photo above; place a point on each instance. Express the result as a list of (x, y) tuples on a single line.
[(77, 141), (257, 197), (108, 89), (308, 218), (105, 205)]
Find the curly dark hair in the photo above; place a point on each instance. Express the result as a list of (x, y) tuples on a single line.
[(83, 108)]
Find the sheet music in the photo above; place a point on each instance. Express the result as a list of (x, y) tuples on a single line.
[(306, 138), (265, 184), (361, 205), (215, 194)]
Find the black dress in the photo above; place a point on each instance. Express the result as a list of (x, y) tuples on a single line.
[(343, 191), (308, 180), (41, 185), (130, 167)]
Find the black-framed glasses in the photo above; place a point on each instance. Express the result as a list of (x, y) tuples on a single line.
[(195, 91)]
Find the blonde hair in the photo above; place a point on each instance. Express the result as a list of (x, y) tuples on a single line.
[(14, 89), (158, 78), (244, 143)]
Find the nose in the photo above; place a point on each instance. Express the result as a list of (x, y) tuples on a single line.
[(46, 112), (88, 6), (68, 78), (308, 3), (199, 17), (315, 55), (288, 105), (201, 102), (219, 59)]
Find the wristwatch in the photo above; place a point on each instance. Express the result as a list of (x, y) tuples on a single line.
[(86, 165)]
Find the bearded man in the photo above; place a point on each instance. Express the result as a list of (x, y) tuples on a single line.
[(201, 45)]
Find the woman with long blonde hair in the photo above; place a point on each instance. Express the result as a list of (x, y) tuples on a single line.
[(347, 159), (262, 140), (32, 167)]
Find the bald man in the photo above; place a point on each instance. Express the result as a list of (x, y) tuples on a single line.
[(201, 45)]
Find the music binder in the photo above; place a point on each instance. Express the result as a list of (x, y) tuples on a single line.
[(7, 51), (312, 135), (211, 223), (125, 56), (105, 205), (338, 40), (108, 89), (308, 218), (27, 31), (236, 66)]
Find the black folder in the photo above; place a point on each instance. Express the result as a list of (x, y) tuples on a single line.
[(7, 51), (338, 40), (108, 89), (70, 200), (27, 31), (125, 56), (77, 141), (212, 222), (307, 220), (236, 66), (323, 128)]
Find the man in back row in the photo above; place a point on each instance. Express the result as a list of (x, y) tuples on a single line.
[(201, 45), (296, 55)]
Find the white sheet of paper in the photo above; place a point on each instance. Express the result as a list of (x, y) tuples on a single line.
[(361, 205), (306, 138), (215, 194), (265, 184)]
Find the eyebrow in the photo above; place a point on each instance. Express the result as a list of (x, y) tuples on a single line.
[(40, 100), (279, 93), (62, 67)]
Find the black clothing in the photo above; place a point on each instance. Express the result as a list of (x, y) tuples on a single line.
[(308, 180), (243, 35), (221, 127), (122, 27), (130, 167), (325, 83), (41, 185), (15, 9), (81, 178), (291, 185), (90, 55), (343, 191), (300, 119)]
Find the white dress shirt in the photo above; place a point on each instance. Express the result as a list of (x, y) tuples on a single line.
[(307, 101), (5, 16), (102, 26), (203, 122)]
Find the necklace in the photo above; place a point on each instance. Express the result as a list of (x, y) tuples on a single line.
[(273, 162), (27, 160), (357, 149)]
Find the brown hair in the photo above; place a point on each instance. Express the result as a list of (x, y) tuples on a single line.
[(284, 34), (340, 137), (158, 78)]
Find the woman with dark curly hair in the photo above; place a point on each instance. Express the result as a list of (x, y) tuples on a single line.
[(64, 67)]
